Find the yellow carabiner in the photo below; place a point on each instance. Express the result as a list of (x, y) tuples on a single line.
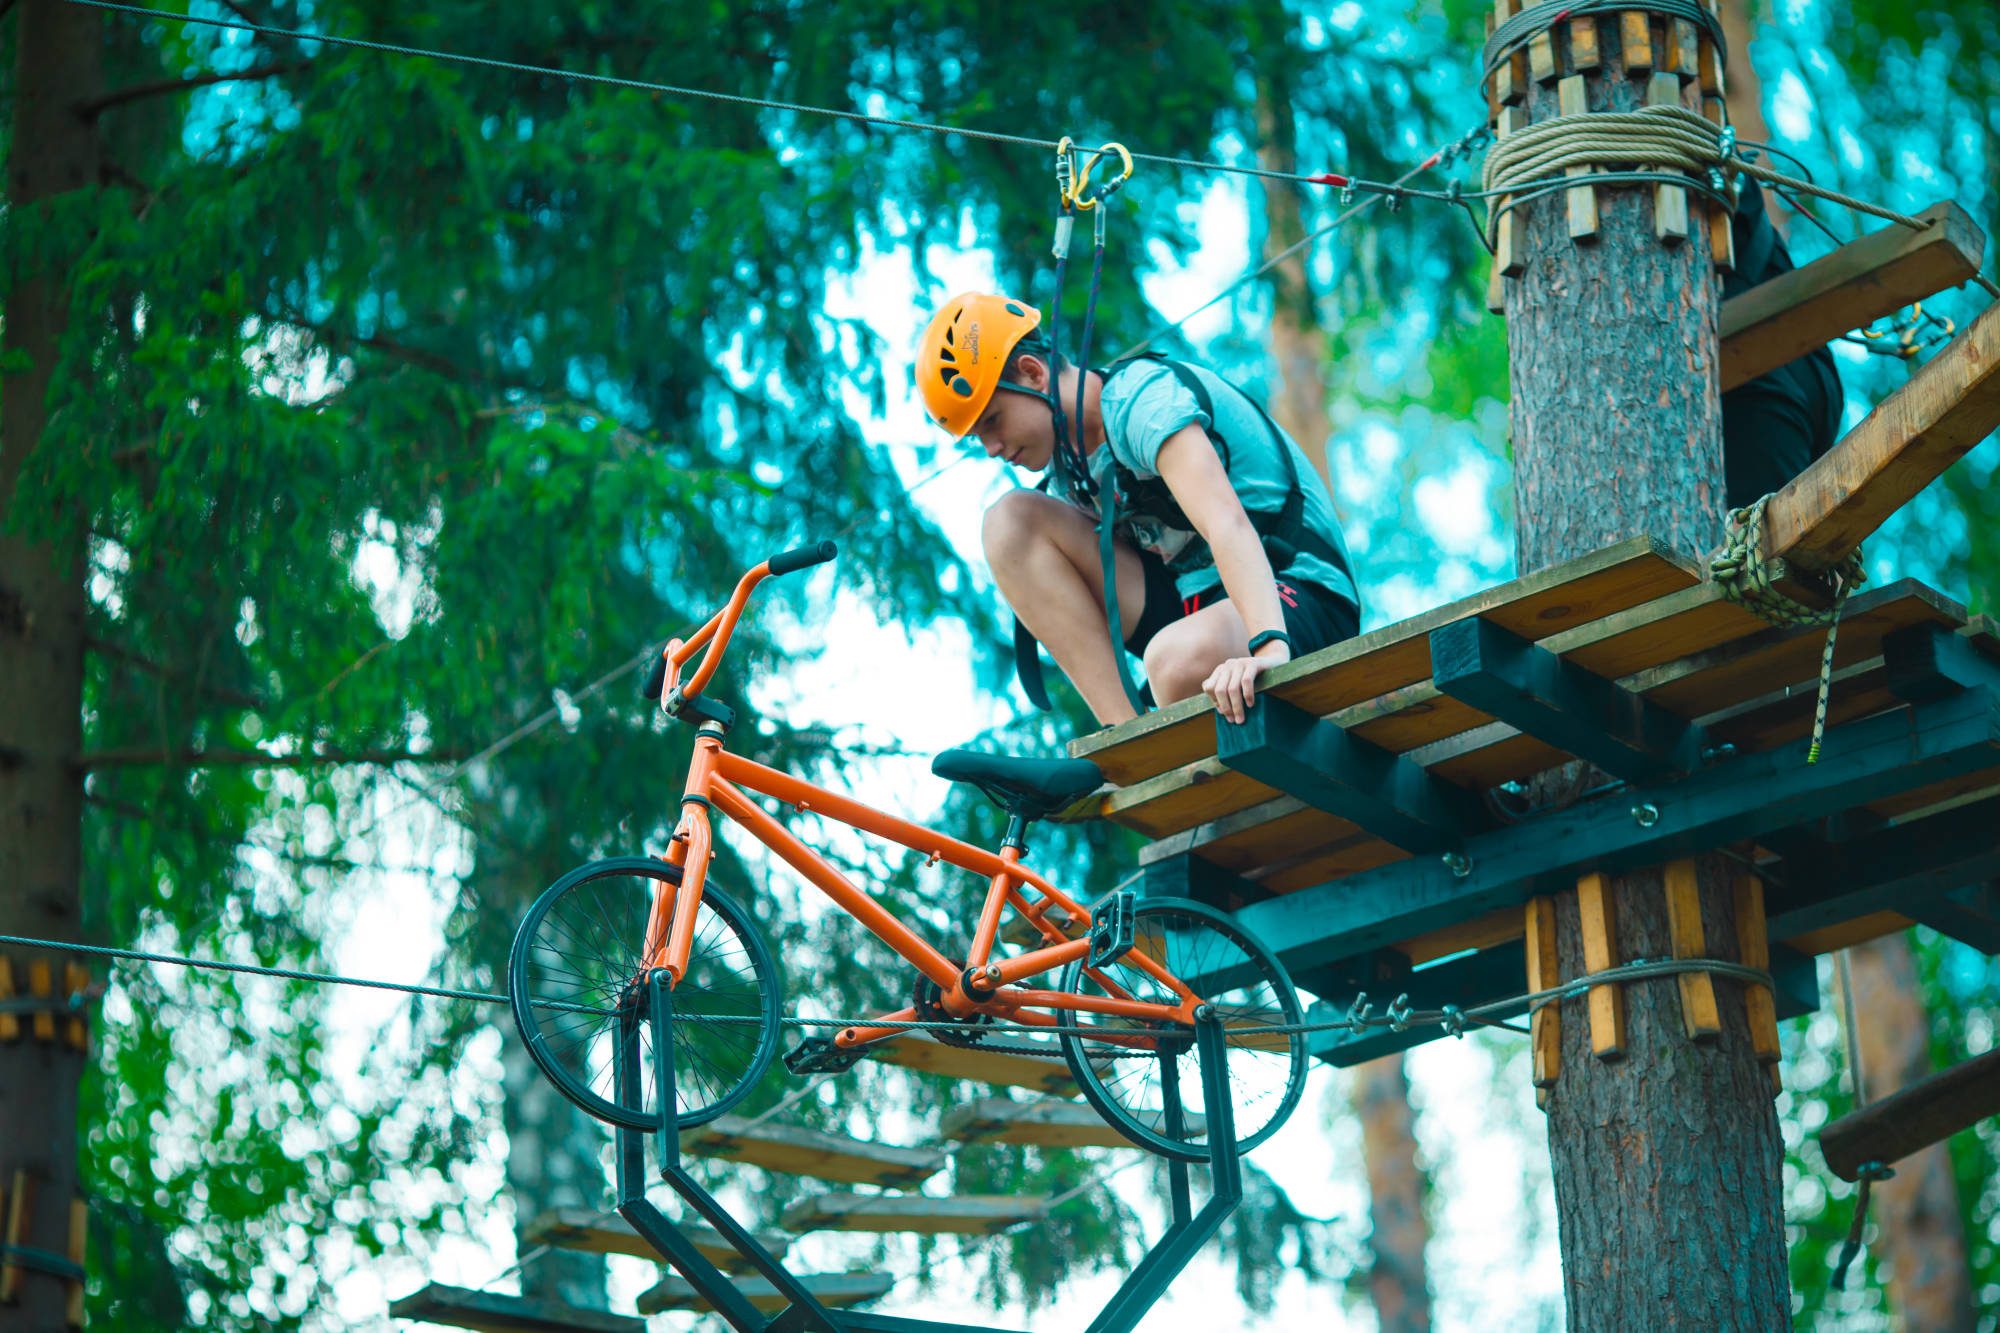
[(1085, 200), (1066, 171)]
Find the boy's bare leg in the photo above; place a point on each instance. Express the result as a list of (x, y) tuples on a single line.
[(1182, 655), (1044, 556)]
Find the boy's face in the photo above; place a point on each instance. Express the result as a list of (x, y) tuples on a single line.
[(1017, 428)]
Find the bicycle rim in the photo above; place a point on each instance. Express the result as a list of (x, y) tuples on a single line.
[(1132, 1071), (576, 984)]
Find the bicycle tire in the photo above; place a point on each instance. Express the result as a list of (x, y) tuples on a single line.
[(576, 966), (1248, 986)]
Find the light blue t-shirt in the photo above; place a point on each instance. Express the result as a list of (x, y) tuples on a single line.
[(1144, 404)]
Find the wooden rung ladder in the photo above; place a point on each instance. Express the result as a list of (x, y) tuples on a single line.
[(593, 1233), (928, 1055)]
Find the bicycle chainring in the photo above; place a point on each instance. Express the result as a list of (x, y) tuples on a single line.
[(928, 998)]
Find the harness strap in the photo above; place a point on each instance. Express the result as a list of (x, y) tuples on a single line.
[(1105, 469)]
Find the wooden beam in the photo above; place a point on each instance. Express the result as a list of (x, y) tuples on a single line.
[(1928, 1111), (928, 1055), (1699, 1013), (1783, 319), (1597, 918), (1544, 974), (593, 1233), (1042, 1124), (1949, 405)]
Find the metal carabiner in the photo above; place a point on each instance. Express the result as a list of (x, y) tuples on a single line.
[(1087, 198)]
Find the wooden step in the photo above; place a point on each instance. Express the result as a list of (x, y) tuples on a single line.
[(915, 1050), (1037, 1124), (811, 1152), (966, 1214), (1047, 1124), (582, 1229), (834, 1289), (494, 1312)]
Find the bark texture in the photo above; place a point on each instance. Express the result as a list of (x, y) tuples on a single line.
[(1919, 1237), (1666, 1164), (1397, 1282), (53, 152), (1298, 344)]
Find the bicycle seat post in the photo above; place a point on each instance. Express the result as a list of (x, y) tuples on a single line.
[(1017, 832)]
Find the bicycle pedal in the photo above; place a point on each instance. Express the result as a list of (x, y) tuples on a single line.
[(818, 1055), (1113, 921)]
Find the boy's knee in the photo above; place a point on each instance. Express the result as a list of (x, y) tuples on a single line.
[(1176, 665), (1010, 525)]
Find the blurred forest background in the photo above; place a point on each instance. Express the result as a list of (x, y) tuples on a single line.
[(402, 403)]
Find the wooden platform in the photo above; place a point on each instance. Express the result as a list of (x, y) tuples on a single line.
[(809, 1152), (492, 1312), (583, 1230), (1348, 820), (926, 1054), (966, 1214), (838, 1290), (1043, 1124)]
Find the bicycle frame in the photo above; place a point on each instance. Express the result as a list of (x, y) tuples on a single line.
[(719, 780)]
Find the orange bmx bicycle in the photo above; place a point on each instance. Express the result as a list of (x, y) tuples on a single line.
[(1136, 975)]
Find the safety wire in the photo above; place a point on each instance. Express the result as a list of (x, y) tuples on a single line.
[(1870, 1172)]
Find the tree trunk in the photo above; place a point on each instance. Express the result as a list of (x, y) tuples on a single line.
[(1298, 343), (1397, 1281), (53, 151), (1919, 1231), (1666, 1164)]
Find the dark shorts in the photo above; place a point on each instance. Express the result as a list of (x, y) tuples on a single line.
[(1314, 617)]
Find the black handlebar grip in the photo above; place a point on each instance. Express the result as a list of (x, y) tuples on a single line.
[(656, 679), (804, 557)]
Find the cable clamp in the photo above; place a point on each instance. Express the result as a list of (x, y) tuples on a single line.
[(1357, 1013), (1452, 1019), (1399, 1012)]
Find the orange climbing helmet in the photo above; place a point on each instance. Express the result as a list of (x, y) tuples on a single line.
[(962, 352)]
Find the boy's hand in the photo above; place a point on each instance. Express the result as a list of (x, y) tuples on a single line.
[(1233, 685)]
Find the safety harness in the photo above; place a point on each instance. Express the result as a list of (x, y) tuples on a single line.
[(1120, 496)]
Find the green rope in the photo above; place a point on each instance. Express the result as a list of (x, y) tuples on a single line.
[(1750, 581)]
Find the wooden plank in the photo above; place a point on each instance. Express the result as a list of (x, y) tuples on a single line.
[(492, 1312), (1685, 48), (1544, 973), (1510, 79), (76, 981), (810, 1152), (1949, 405), (838, 1290), (1547, 602), (1583, 49), (1542, 57), (1506, 232), (1043, 1124), (1699, 1013), (1849, 933), (1635, 32), (1759, 1006), (1598, 921), (928, 1055), (10, 1024), (20, 1216), (1783, 319), (79, 1242), (1670, 202), (42, 985), (1501, 926), (961, 1215), (1928, 1111), (1581, 200), (592, 1233)]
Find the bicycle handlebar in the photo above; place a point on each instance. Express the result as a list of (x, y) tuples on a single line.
[(666, 671)]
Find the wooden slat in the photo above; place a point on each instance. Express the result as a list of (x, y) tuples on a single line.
[(1928, 1111), (1598, 921), (1670, 202), (964, 1215), (1783, 319), (1561, 597), (1636, 40), (1949, 405), (1752, 944), (914, 1050), (838, 1290), (1544, 974), (1042, 1124), (1572, 99), (810, 1152), (583, 1230), (491, 1312), (1699, 1013), (10, 1024)]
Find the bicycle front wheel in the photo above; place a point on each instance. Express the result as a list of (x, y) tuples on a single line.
[(1144, 1077), (578, 987)]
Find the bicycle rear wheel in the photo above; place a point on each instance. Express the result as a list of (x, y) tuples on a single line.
[(577, 983), (1142, 1076)]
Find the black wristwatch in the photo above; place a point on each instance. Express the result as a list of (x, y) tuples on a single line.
[(1270, 636)]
